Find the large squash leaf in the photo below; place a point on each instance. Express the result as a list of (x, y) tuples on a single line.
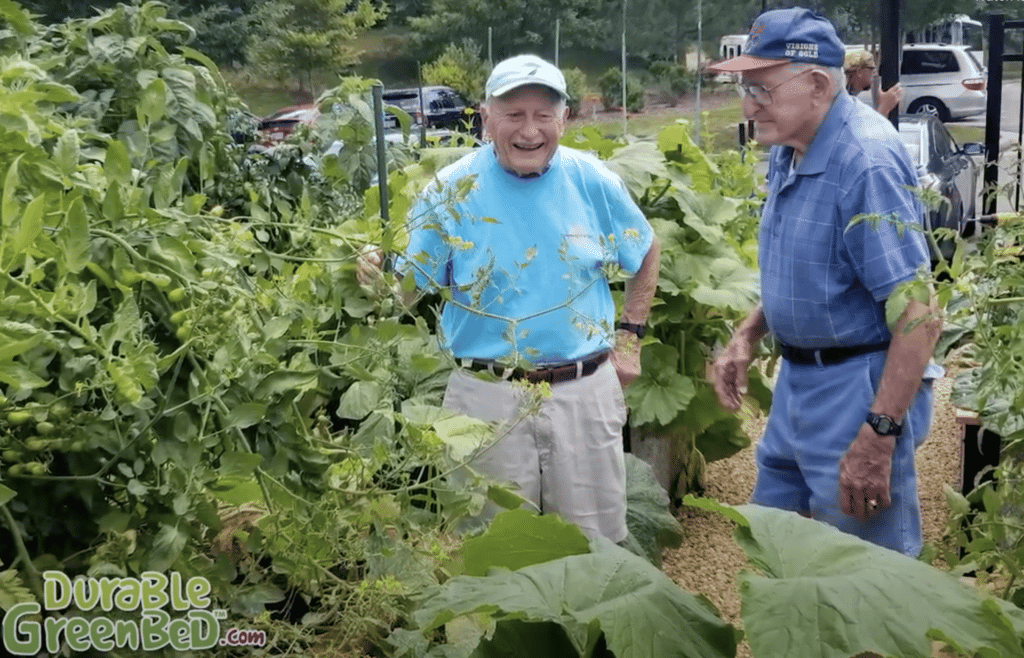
[(648, 517), (823, 593), (640, 611)]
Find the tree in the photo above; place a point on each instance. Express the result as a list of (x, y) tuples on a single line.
[(297, 38), (517, 26)]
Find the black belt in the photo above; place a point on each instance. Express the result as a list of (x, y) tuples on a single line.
[(827, 355), (552, 374)]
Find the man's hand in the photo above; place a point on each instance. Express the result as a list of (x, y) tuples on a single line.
[(368, 262), (626, 357), (729, 372), (864, 474)]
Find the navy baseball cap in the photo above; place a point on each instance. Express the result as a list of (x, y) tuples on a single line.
[(780, 36)]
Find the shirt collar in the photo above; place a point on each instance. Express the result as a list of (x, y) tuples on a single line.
[(820, 149)]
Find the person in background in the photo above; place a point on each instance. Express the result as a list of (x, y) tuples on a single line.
[(859, 66), (853, 397), (524, 252)]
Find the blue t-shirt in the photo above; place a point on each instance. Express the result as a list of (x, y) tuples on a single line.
[(525, 259), (824, 283)]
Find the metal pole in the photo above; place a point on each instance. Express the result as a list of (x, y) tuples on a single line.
[(490, 46), (892, 47), (558, 30), (993, 112), (382, 163), (423, 111), (700, 44), (625, 118)]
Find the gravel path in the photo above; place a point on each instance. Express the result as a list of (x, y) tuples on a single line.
[(709, 559)]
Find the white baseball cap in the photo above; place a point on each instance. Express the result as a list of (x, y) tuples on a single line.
[(525, 70)]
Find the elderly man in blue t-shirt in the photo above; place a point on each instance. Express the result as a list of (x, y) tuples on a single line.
[(853, 397), (525, 256)]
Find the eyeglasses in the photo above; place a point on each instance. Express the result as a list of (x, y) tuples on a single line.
[(759, 94)]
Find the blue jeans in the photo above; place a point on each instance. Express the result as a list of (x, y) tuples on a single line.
[(815, 416)]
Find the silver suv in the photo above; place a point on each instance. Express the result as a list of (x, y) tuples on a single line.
[(945, 81)]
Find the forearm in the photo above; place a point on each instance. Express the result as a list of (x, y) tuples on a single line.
[(913, 340), (753, 327), (641, 287)]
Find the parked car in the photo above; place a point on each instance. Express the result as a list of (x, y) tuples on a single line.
[(945, 167), (945, 81), (275, 128), (441, 107)]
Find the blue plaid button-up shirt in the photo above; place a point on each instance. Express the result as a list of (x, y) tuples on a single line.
[(823, 282)]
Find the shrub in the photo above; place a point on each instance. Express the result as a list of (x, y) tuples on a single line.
[(578, 87), (610, 86), (459, 67), (672, 80)]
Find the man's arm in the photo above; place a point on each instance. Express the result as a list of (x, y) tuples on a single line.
[(729, 373), (640, 291), (865, 469)]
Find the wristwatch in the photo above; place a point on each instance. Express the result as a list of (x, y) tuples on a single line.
[(637, 329), (884, 425)]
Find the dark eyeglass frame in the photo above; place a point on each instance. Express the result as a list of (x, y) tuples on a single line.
[(761, 95)]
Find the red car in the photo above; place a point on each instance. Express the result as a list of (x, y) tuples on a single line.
[(275, 127)]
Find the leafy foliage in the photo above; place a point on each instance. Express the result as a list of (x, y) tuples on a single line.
[(610, 85), (459, 67), (567, 602), (821, 592), (293, 39), (703, 210)]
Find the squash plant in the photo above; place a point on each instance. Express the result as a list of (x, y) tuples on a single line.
[(703, 209)]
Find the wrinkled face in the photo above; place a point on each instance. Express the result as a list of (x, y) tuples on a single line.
[(791, 117), (525, 125)]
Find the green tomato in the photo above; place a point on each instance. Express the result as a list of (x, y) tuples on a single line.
[(184, 332), (16, 469), (179, 317), (36, 444), (19, 417), (176, 296), (45, 427), (129, 277), (35, 468), (11, 456)]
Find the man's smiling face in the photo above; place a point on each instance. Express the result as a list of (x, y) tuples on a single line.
[(525, 125)]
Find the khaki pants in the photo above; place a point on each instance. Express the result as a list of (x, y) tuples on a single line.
[(567, 459)]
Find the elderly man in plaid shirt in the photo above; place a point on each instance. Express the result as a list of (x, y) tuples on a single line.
[(853, 398)]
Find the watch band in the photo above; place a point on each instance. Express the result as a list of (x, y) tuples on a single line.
[(637, 329)]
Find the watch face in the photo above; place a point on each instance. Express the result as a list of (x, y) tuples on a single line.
[(883, 425)]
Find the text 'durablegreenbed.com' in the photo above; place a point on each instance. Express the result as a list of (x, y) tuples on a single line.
[(163, 611)]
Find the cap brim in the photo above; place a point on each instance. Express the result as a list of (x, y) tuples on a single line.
[(745, 63)]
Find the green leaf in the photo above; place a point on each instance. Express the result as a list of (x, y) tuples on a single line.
[(6, 494), (463, 435), (236, 490), (648, 517), (360, 399), (519, 538), (12, 592), (153, 102), (31, 225), (285, 381), (661, 392), (167, 546), (73, 238), (117, 165), (640, 611), (827, 594), (66, 153), (246, 414)]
